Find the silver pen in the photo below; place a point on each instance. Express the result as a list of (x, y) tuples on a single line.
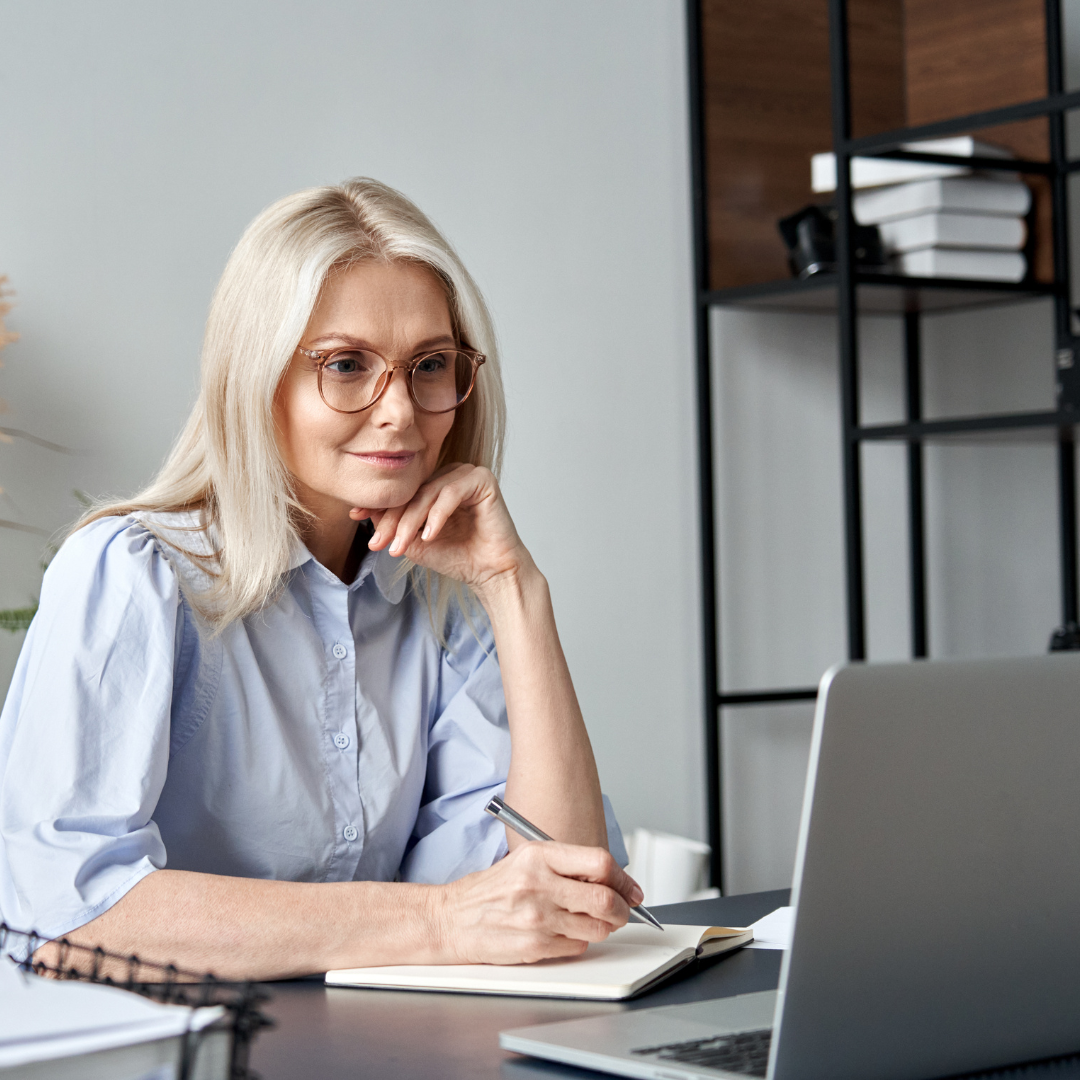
[(497, 808)]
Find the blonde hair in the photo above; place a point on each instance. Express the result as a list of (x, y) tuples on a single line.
[(226, 463)]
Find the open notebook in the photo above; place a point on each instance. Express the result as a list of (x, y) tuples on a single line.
[(634, 958)]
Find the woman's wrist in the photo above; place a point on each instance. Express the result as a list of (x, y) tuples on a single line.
[(439, 922), (518, 585)]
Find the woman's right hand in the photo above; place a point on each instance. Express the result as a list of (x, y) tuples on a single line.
[(543, 900)]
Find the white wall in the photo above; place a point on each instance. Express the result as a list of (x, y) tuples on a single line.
[(548, 141)]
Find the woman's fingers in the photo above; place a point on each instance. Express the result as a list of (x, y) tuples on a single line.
[(591, 904), (593, 865), (600, 904), (364, 513), (578, 927), (456, 524), (582, 881), (540, 900), (385, 528), (448, 489), (446, 502), (400, 527)]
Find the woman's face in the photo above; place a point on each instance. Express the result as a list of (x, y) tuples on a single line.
[(377, 458)]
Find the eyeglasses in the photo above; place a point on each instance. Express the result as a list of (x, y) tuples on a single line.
[(352, 380)]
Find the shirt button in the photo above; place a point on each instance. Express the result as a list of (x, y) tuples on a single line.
[(341, 740), (350, 833), (339, 651)]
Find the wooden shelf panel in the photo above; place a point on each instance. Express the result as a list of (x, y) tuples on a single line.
[(766, 111), (766, 102)]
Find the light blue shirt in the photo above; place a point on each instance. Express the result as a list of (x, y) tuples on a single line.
[(330, 737)]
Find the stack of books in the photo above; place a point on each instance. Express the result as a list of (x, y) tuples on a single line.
[(940, 220)]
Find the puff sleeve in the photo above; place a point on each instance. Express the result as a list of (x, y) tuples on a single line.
[(84, 733)]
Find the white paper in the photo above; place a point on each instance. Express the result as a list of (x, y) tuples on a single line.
[(43, 1019), (773, 931)]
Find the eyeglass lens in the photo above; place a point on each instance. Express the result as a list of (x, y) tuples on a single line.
[(440, 382)]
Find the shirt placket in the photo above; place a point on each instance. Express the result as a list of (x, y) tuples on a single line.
[(340, 731)]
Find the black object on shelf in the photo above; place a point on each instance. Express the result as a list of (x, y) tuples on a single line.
[(810, 236), (852, 288)]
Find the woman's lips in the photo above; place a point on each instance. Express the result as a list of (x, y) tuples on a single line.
[(386, 459)]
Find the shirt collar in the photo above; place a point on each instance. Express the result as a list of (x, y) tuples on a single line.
[(389, 577), (380, 565), (299, 553)]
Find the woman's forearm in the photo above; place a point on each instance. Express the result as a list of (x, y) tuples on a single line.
[(457, 524), (542, 901), (552, 779), (243, 928)]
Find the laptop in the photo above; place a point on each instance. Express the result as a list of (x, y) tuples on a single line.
[(936, 894)]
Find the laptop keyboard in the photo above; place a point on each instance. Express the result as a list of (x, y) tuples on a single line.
[(745, 1052)]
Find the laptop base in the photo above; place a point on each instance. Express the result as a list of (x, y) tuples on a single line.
[(608, 1043)]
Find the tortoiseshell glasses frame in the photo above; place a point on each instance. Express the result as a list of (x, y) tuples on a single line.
[(346, 387)]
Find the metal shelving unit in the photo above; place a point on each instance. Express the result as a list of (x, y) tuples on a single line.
[(850, 292)]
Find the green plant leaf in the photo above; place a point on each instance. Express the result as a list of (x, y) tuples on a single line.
[(16, 619)]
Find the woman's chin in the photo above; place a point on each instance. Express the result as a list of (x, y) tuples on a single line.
[(385, 496)]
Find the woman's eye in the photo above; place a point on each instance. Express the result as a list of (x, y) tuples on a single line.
[(349, 364), (430, 365)]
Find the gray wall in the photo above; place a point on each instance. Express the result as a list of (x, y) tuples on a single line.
[(991, 530), (547, 140)]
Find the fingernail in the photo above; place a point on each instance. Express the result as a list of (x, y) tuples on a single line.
[(374, 537), (395, 545), (636, 895), (426, 533)]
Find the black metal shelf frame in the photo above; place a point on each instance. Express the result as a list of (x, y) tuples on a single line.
[(908, 298), (929, 294)]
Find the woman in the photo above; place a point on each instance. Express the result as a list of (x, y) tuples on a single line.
[(271, 668)]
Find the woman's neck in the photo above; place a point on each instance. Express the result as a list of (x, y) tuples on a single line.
[(339, 545)]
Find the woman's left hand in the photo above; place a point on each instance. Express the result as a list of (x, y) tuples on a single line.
[(456, 524)]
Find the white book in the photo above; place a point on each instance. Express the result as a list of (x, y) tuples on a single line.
[(957, 263), (875, 172), (868, 172), (160, 1059), (960, 146), (943, 229), (76, 1030), (633, 958), (962, 194)]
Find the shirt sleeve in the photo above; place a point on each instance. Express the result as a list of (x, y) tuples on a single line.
[(84, 733), (468, 763)]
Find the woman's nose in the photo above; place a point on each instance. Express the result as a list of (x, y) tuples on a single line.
[(395, 405)]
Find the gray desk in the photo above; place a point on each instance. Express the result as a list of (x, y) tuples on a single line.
[(334, 1032)]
